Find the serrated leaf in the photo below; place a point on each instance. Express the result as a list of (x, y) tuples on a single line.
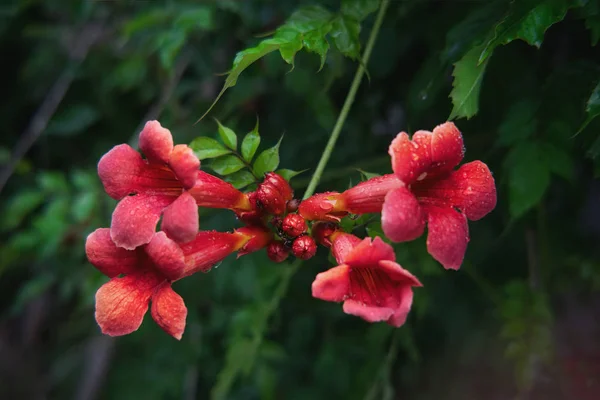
[(268, 160), (592, 108), (529, 177), (344, 32), (205, 147), (466, 86), (359, 9), (241, 179), (288, 174), (226, 165), (527, 20), (250, 143), (228, 136), (316, 42), (288, 50)]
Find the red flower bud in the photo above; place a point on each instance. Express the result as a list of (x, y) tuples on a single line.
[(277, 251), (292, 205), (293, 225), (273, 193), (304, 247), (322, 231), (280, 184), (253, 217)]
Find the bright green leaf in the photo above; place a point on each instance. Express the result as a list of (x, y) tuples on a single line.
[(250, 143), (528, 177), (527, 20), (467, 85), (228, 136), (292, 45), (359, 9), (205, 147), (267, 161), (316, 42), (344, 32), (241, 179), (288, 174), (226, 165)]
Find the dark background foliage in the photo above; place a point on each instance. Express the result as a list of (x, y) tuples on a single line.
[(519, 320)]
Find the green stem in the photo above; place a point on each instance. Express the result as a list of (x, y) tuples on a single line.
[(337, 129)]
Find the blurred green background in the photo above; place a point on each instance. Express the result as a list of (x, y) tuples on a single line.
[(519, 320)]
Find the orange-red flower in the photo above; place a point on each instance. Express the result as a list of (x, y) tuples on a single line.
[(435, 193), (146, 273), (368, 280), (424, 188), (148, 188)]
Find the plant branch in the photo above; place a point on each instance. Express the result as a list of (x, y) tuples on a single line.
[(337, 129)]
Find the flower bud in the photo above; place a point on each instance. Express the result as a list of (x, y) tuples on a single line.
[(304, 247), (277, 251), (293, 225), (254, 216), (273, 193), (292, 205), (322, 231)]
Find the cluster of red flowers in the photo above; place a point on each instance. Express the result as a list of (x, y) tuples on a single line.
[(143, 262)]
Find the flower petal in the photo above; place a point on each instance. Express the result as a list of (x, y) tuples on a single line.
[(111, 260), (210, 191), (476, 194), (402, 218), (427, 154), (122, 302), (368, 313), (169, 310), (118, 170), (342, 245), (166, 255), (156, 142), (333, 284), (397, 273), (135, 217), (369, 252), (185, 165), (448, 236), (404, 296), (180, 219)]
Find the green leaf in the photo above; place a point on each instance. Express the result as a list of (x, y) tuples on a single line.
[(19, 207), (367, 175), (359, 9), (226, 165), (374, 230), (467, 85), (268, 160), (593, 107), (228, 136), (250, 143), (527, 20), (520, 123), (73, 120), (529, 177), (288, 174), (308, 19), (316, 42), (288, 50), (201, 18), (344, 32), (241, 179), (168, 45), (558, 160), (205, 147)]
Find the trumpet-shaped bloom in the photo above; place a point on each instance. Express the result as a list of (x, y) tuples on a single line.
[(145, 275), (151, 187), (435, 193), (368, 280)]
